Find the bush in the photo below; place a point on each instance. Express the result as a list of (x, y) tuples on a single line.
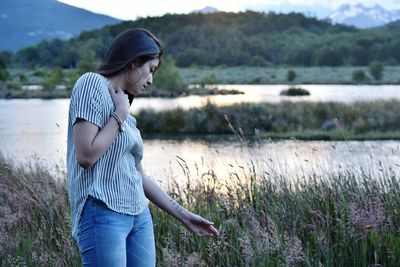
[(13, 86), (376, 69), (359, 76), (209, 79), (293, 91), (257, 61), (4, 75), (53, 79), (291, 75)]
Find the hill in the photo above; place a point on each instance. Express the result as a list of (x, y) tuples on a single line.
[(234, 39), (27, 22)]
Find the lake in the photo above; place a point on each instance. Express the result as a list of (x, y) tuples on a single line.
[(271, 94), (36, 130)]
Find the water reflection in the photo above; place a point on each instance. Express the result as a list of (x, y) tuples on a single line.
[(289, 159), (169, 160), (38, 129), (271, 94)]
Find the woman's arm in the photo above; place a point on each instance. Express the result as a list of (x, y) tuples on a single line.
[(195, 223), (90, 141)]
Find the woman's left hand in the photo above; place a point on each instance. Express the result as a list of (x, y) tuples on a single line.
[(198, 225)]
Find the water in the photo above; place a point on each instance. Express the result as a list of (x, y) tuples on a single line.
[(37, 129), (271, 93)]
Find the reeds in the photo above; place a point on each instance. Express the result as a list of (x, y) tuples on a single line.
[(34, 218), (266, 217), (307, 120), (347, 219)]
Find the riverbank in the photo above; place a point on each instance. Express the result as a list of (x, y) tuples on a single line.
[(343, 218), (55, 94), (376, 120), (202, 76), (308, 135)]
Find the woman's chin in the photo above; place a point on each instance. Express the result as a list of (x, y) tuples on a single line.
[(134, 92)]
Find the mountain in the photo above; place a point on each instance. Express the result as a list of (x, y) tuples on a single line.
[(363, 17), (222, 38), (27, 22), (206, 10)]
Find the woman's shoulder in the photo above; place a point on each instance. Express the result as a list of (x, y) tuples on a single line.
[(92, 80), (92, 76)]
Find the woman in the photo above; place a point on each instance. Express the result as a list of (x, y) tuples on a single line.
[(107, 185)]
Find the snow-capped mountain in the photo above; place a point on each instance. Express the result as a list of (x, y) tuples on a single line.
[(206, 10), (363, 17)]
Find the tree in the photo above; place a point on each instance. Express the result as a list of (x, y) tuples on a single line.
[(359, 56), (376, 69), (4, 75), (291, 75), (53, 79), (87, 63), (329, 57), (209, 79), (359, 76), (167, 77)]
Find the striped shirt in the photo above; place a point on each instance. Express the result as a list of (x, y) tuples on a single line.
[(114, 178)]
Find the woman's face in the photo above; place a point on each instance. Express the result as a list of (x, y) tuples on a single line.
[(141, 77)]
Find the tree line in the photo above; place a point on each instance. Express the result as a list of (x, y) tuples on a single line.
[(231, 39)]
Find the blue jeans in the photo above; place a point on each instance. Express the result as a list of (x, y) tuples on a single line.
[(108, 238)]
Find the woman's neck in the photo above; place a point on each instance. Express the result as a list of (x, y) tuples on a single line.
[(117, 81)]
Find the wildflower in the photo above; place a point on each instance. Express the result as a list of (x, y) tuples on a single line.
[(370, 218), (293, 251)]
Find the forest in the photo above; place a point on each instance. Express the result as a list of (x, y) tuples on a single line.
[(229, 39)]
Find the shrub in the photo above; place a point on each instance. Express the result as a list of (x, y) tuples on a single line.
[(209, 79), (293, 91), (53, 79), (4, 75), (13, 86), (291, 75), (359, 76), (376, 69)]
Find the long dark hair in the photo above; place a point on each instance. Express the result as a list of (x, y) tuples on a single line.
[(131, 46)]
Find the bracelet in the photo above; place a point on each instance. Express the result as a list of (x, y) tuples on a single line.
[(120, 123)]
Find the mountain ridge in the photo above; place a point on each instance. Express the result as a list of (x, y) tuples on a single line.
[(363, 17), (24, 22)]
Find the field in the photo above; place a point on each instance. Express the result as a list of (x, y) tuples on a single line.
[(278, 75)]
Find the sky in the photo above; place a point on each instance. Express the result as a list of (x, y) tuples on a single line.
[(131, 10)]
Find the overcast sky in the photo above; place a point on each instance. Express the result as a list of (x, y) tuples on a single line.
[(130, 10)]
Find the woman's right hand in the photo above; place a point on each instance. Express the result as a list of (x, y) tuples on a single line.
[(121, 103)]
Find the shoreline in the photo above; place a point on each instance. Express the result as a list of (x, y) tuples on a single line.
[(65, 94), (335, 136), (207, 77)]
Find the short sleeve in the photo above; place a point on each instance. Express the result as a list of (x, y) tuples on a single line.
[(87, 99)]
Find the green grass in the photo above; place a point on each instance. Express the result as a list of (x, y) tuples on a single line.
[(278, 75), (265, 217)]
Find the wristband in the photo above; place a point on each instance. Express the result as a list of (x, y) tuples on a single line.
[(120, 122)]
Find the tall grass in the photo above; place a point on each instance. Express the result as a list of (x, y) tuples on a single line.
[(360, 118), (346, 217), (34, 218)]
